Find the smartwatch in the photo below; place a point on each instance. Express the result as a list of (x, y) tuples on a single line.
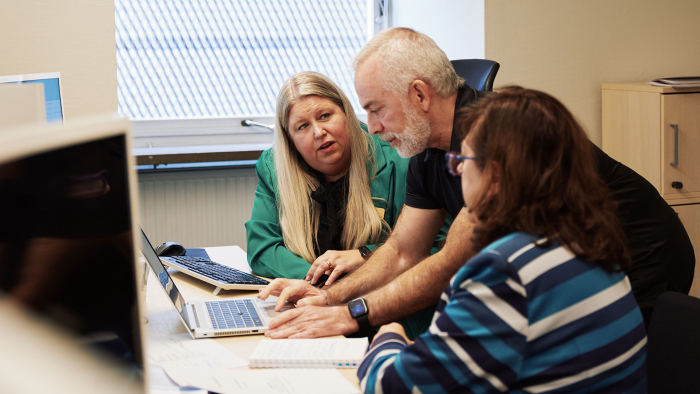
[(365, 252), (359, 311)]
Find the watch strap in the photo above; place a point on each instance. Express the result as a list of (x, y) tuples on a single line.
[(365, 252), (366, 329)]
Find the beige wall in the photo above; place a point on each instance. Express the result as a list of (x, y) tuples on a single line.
[(74, 37), (568, 48)]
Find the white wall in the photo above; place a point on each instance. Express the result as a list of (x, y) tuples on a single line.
[(73, 37), (568, 48), (457, 26)]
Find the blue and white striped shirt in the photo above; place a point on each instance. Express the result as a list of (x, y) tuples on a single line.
[(522, 318)]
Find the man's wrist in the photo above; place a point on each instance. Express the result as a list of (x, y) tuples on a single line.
[(349, 321), (324, 294), (329, 295)]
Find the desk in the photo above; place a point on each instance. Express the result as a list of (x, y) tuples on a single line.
[(163, 319)]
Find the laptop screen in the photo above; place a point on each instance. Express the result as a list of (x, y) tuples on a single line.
[(163, 276), (66, 244)]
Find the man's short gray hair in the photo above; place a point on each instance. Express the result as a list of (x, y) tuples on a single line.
[(407, 55)]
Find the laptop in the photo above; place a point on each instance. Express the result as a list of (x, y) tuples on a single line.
[(215, 318)]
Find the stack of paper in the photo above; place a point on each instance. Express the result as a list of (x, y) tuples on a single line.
[(677, 82)]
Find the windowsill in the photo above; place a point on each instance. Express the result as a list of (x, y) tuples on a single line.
[(162, 143), (199, 153)]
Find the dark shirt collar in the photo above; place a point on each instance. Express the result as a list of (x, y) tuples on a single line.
[(465, 95)]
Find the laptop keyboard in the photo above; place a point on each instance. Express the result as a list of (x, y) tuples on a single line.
[(233, 314), (216, 271)]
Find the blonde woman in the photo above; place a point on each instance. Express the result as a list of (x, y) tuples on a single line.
[(328, 193)]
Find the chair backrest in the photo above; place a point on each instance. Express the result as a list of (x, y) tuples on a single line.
[(673, 348), (477, 73)]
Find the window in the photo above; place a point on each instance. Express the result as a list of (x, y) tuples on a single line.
[(198, 67)]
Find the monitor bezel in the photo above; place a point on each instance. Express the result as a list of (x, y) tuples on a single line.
[(34, 77), (32, 139)]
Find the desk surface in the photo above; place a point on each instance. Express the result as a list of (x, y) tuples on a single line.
[(163, 319)]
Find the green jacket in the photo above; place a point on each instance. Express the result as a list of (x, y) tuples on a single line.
[(267, 254)]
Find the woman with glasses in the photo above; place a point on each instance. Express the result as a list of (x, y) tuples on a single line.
[(545, 305)]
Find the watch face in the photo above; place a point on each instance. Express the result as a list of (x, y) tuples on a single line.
[(365, 252), (357, 307)]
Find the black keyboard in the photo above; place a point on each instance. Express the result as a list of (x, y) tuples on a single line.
[(216, 271)]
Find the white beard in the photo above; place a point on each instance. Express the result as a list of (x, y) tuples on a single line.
[(414, 138)]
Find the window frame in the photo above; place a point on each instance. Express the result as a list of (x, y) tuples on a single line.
[(185, 138)]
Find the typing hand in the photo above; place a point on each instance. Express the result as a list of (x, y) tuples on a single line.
[(312, 322), (334, 263), (293, 290)]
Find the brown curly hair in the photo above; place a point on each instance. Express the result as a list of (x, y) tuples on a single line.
[(549, 185)]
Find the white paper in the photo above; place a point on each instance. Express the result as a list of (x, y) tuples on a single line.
[(274, 381), (309, 353), (181, 350), (160, 383), (231, 256)]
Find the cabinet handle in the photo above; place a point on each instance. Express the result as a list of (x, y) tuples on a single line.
[(675, 145)]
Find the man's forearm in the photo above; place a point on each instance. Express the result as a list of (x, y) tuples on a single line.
[(408, 243), (421, 286), (379, 270)]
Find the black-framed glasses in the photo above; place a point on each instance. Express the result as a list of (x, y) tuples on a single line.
[(453, 159)]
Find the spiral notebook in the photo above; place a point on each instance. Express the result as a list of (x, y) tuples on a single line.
[(309, 353)]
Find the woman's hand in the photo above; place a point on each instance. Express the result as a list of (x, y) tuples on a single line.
[(395, 328), (334, 263)]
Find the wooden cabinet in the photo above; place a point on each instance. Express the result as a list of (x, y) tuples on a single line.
[(656, 132)]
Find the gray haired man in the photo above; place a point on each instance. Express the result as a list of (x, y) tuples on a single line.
[(411, 94)]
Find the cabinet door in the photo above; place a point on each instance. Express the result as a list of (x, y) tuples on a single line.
[(690, 217), (682, 110)]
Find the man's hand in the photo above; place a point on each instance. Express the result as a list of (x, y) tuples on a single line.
[(293, 290), (312, 322), (395, 328)]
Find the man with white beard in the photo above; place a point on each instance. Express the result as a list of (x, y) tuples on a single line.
[(411, 93)]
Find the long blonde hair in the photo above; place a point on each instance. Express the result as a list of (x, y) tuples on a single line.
[(299, 213)]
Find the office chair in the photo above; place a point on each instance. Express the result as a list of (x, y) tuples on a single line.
[(477, 73), (673, 348)]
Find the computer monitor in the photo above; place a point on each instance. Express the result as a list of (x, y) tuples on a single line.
[(68, 202), (52, 91)]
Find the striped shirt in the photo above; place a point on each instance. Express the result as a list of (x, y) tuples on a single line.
[(522, 318)]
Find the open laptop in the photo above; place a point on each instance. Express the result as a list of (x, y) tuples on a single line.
[(215, 318)]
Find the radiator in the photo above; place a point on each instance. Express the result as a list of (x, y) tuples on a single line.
[(197, 208)]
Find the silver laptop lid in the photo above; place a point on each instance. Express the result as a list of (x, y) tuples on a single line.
[(164, 278)]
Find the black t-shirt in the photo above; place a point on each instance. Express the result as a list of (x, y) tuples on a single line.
[(429, 185), (662, 254)]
